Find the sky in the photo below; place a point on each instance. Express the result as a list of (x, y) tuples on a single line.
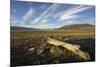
[(50, 15)]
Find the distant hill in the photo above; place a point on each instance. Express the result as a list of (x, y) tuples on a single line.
[(77, 26), (73, 26), (21, 28)]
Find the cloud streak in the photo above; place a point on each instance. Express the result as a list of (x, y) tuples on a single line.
[(71, 13), (28, 14), (64, 17), (46, 14), (68, 14)]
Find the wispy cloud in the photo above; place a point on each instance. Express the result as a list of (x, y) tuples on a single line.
[(43, 18), (44, 21), (13, 20), (51, 15), (28, 15), (64, 17), (72, 12)]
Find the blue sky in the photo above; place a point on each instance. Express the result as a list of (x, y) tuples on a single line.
[(50, 15)]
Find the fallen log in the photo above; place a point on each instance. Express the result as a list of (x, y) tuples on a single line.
[(74, 48)]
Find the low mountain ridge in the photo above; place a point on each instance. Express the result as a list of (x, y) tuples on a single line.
[(77, 26), (73, 26), (21, 28)]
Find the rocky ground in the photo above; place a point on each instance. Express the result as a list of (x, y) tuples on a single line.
[(35, 51)]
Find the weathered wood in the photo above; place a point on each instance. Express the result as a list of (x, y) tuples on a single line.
[(74, 48)]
